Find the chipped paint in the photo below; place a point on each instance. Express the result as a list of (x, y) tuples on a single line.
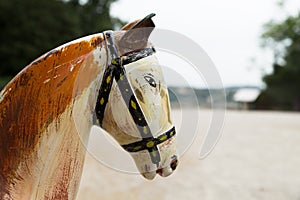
[(100, 56), (3, 94), (47, 80), (26, 104), (155, 106), (42, 162)]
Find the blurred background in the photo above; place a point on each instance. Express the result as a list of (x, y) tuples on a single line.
[(255, 46)]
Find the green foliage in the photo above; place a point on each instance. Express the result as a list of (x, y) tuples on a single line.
[(33, 27), (283, 85), (4, 80), (95, 15)]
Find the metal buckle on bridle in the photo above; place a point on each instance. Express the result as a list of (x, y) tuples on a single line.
[(115, 70)]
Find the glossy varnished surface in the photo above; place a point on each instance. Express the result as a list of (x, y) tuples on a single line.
[(47, 111), (32, 104)]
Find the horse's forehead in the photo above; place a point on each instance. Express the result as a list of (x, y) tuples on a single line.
[(149, 64)]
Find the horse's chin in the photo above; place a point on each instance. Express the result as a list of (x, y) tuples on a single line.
[(149, 175), (163, 172)]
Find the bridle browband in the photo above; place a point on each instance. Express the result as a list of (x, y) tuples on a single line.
[(116, 71)]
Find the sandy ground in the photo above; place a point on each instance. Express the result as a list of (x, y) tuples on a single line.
[(257, 157)]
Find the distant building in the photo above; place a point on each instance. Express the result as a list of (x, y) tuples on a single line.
[(245, 97), (240, 97)]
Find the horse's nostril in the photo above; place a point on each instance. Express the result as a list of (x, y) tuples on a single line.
[(174, 164), (159, 171)]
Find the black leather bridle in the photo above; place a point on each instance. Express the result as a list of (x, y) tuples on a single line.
[(115, 71)]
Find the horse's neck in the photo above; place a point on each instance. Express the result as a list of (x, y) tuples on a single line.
[(54, 169), (41, 152)]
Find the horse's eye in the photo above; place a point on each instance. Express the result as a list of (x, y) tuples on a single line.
[(150, 80)]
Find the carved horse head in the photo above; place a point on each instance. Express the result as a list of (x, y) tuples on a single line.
[(139, 104), (110, 79)]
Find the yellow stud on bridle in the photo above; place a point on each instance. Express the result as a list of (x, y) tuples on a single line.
[(116, 71)]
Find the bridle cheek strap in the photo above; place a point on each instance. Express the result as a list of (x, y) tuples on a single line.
[(116, 71)]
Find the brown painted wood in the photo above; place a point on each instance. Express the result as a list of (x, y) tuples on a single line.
[(36, 98), (41, 152)]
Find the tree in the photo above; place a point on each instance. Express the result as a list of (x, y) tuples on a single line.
[(95, 15), (33, 27), (283, 85)]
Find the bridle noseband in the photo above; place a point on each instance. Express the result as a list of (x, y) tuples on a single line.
[(116, 71)]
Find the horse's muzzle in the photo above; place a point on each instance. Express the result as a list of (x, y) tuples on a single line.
[(163, 171), (168, 170)]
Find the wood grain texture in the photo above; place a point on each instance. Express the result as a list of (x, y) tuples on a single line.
[(36, 123), (46, 113)]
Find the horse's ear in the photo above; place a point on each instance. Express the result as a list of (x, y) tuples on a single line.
[(129, 25), (146, 22), (137, 33)]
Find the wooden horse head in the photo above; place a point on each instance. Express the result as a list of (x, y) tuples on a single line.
[(110, 79)]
